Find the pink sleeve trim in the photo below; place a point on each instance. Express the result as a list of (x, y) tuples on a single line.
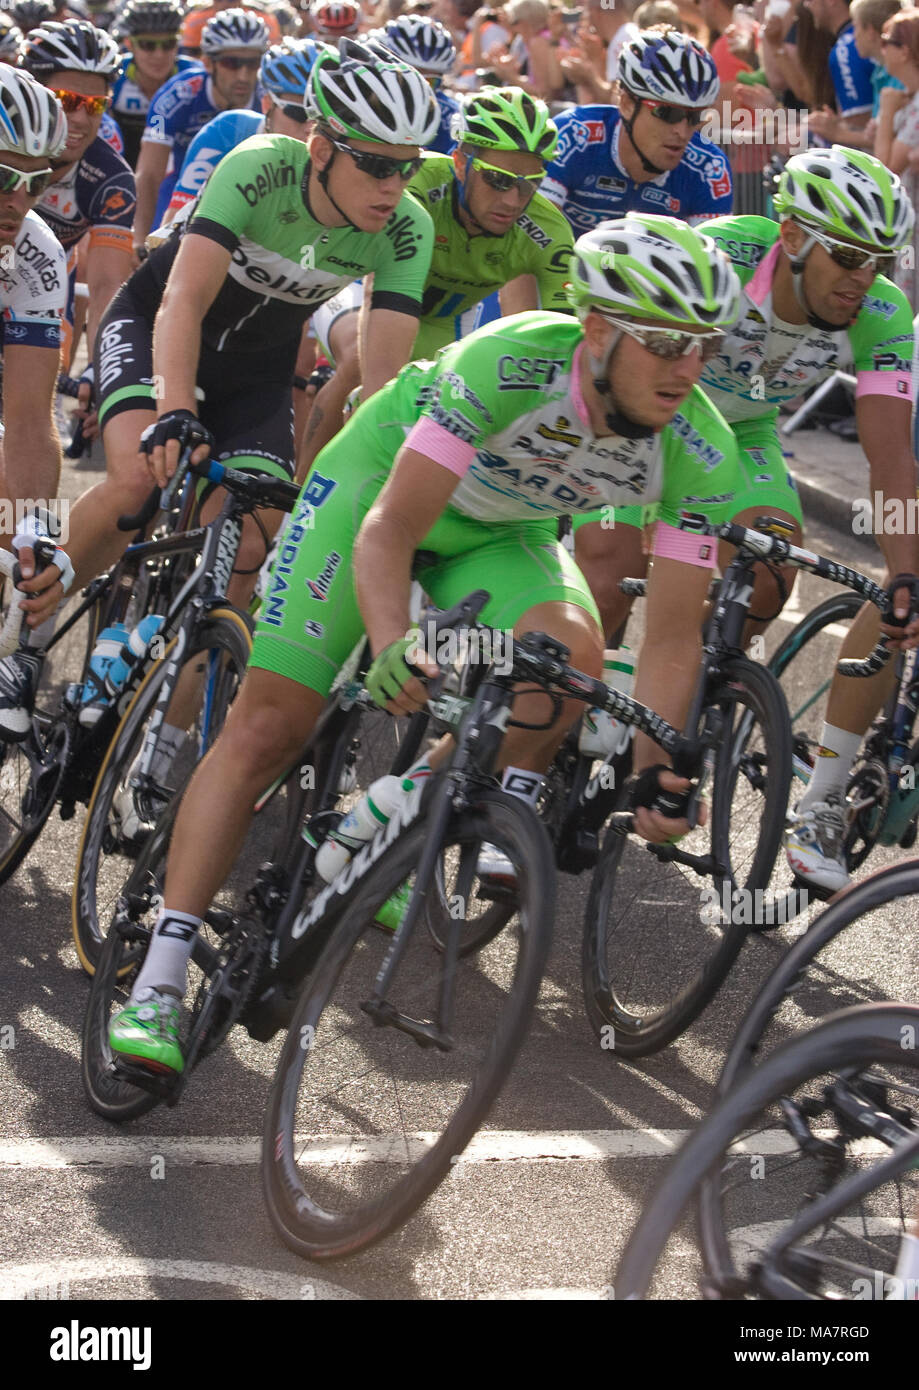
[(884, 384), (673, 544), (761, 283), (426, 437)]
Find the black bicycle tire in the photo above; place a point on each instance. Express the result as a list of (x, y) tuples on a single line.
[(881, 888), (760, 684), (100, 1085), (839, 606), (223, 627), (19, 847), (333, 1237), (863, 1035)]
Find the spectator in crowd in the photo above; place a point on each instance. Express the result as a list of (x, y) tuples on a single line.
[(531, 62), (896, 141), (729, 59), (658, 12), (850, 72), (480, 36), (592, 64), (868, 20)]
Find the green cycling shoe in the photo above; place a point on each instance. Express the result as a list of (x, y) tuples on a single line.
[(147, 1032)]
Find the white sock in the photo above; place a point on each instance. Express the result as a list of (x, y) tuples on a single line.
[(834, 760), (167, 958), (418, 772), (170, 741), (520, 781)]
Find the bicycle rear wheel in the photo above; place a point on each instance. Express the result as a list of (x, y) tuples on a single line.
[(785, 1136), (363, 1122)]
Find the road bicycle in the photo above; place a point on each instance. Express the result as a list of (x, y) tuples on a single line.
[(816, 1155)]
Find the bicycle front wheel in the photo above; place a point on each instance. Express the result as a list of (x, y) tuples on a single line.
[(363, 1122)]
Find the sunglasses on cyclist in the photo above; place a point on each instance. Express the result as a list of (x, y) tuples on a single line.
[(673, 115), (852, 257), (670, 343), (293, 113), (381, 166), (151, 45), (237, 64), (11, 180), (502, 182), (76, 101)]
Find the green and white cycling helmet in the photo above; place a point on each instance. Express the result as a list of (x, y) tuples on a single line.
[(505, 118), (848, 194), (363, 92), (646, 267)]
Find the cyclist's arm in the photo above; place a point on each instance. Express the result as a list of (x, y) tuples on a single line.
[(32, 450), (150, 172), (884, 434), (672, 650), (519, 295), (107, 269), (387, 347)]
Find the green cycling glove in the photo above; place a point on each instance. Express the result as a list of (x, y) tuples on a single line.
[(389, 673)]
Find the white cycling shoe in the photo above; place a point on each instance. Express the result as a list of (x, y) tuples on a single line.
[(814, 846)]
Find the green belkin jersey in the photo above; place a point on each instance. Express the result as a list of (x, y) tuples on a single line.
[(522, 443), (764, 362), (284, 263), (466, 269)]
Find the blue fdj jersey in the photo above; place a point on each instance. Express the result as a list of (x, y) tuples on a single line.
[(213, 141), (851, 75), (587, 181), (444, 141), (181, 107)]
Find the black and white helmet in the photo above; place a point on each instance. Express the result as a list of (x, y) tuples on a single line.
[(76, 44), (234, 29), (150, 17), (10, 40), (422, 42), (32, 120), (669, 67), (28, 13), (356, 93)]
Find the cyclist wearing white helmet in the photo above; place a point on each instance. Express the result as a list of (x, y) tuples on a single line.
[(232, 45), (649, 154), (280, 227), (471, 482), (33, 289), (427, 46), (200, 15)]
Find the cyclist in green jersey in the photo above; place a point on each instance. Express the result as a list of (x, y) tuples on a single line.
[(815, 299), (471, 460), (492, 231), (280, 227)]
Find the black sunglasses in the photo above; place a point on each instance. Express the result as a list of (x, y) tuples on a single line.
[(673, 115), (151, 45), (381, 166), (237, 64)]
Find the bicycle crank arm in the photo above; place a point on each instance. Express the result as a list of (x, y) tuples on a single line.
[(385, 1015), (702, 864), (167, 1088)]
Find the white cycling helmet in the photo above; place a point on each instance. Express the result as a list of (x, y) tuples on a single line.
[(355, 93), (847, 194), (669, 67), (234, 29), (76, 45), (32, 120), (10, 40), (419, 41)]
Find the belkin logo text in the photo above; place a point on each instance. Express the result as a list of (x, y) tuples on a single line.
[(76, 1343)]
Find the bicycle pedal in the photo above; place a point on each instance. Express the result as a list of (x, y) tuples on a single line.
[(497, 890), (165, 1088)]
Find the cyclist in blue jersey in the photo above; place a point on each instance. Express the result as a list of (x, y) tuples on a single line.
[(427, 46), (93, 187), (282, 77), (232, 46), (150, 29), (649, 155)]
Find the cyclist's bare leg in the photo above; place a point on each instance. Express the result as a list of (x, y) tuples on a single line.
[(605, 555), (327, 414)]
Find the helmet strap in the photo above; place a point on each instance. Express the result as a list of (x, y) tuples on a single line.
[(646, 164), (797, 263), (617, 420), (322, 177), (461, 199)]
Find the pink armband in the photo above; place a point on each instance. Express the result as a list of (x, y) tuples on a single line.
[(884, 384), (426, 437), (673, 544)]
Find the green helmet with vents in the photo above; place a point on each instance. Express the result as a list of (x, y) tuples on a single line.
[(646, 267), (505, 118), (846, 193)]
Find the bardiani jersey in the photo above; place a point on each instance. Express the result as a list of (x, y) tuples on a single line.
[(851, 74), (587, 181), (213, 141), (505, 412), (130, 102), (33, 287), (466, 269), (284, 263), (765, 361), (181, 107), (96, 195)]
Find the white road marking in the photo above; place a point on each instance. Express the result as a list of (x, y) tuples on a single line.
[(18, 1281), (489, 1146)]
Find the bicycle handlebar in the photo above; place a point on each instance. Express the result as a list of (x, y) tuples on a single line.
[(256, 487), (12, 626)]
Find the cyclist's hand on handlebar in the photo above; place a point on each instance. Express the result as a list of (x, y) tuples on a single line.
[(902, 634), (654, 825), (392, 681), (163, 442)]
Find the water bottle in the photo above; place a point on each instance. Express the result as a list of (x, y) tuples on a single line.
[(131, 652), (105, 652), (361, 824), (602, 735)]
